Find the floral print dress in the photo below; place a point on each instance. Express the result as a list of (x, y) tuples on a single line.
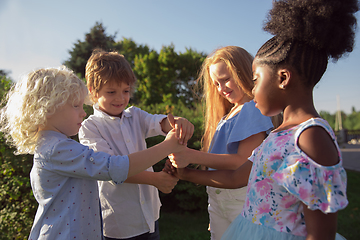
[(283, 177)]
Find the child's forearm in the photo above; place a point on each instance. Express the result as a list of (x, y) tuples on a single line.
[(143, 177), (219, 178), (140, 161), (217, 161)]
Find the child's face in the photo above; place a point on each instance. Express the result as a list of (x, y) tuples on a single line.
[(113, 98), (226, 85), (266, 90), (67, 119)]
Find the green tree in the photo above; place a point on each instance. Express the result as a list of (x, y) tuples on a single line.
[(164, 77), (167, 77), (188, 69), (330, 118), (130, 49), (352, 121), (80, 53)]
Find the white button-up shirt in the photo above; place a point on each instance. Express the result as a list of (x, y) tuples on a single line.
[(128, 209)]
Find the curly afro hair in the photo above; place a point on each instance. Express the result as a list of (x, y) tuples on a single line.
[(308, 33), (323, 24)]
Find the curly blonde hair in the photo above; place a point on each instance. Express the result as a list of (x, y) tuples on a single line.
[(239, 64), (33, 98), (103, 67)]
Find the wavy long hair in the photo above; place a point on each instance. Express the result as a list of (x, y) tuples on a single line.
[(239, 65)]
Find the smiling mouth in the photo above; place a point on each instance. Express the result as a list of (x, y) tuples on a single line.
[(227, 94), (117, 105)]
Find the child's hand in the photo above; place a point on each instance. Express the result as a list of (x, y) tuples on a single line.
[(176, 172), (173, 144), (168, 168), (177, 160), (165, 182), (184, 128)]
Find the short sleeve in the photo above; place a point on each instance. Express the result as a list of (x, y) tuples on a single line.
[(250, 122), (319, 187)]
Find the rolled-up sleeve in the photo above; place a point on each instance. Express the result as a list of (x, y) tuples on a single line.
[(72, 159)]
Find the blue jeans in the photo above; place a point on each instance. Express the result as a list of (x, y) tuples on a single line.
[(145, 236)]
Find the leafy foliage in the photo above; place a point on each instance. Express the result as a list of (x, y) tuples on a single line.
[(82, 50), (164, 77), (18, 205), (350, 121), (167, 77)]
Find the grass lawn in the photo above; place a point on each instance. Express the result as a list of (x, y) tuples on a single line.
[(349, 218), (186, 226)]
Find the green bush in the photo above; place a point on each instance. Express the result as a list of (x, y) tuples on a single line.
[(17, 203)]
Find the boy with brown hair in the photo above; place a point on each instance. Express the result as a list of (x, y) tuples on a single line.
[(129, 210)]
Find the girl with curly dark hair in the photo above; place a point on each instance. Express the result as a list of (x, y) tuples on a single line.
[(297, 182)]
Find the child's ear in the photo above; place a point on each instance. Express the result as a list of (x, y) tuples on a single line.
[(284, 77), (93, 93)]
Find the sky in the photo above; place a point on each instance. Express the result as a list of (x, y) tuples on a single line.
[(40, 33)]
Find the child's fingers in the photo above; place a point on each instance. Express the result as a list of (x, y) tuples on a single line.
[(188, 133), (168, 168), (178, 132), (171, 120), (173, 163)]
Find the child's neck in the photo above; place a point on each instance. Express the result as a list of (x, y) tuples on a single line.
[(294, 116)]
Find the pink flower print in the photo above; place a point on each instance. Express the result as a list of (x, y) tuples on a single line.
[(292, 217), (304, 193), (275, 156), (264, 208), (302, 160), (281, 140), (288, 201), (263, 187), (279, 176), (324, 207), (327, 175)]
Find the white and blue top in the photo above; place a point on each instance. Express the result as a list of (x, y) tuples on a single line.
[(64, 182)]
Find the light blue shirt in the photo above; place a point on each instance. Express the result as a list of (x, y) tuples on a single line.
[(64, 182), (230, 132)]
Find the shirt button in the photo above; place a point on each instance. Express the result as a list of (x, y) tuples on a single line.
[(218, 191), (91, 159), (127, 140)]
